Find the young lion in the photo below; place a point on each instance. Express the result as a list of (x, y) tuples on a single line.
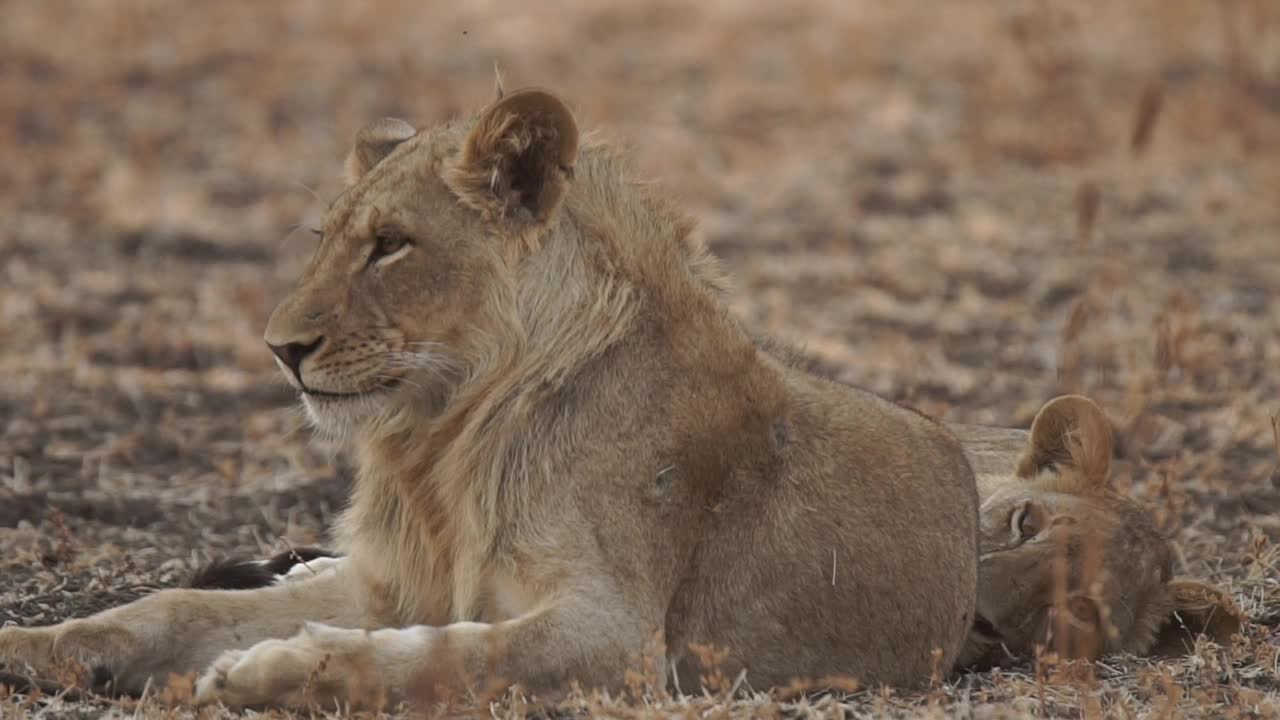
[(1066, 561), (567, 449)]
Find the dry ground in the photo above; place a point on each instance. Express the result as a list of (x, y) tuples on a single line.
[(965, 206)]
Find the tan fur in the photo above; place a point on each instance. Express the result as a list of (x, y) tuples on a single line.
[(1095, 577), (567, 448)]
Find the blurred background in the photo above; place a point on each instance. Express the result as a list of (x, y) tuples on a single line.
[(966, 206)]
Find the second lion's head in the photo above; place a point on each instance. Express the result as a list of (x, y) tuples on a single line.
[(1070, 563)]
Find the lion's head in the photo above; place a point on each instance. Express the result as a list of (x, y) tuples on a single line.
[(1069, 563), (410, 285)]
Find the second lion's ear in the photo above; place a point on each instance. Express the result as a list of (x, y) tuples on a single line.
[(1070, 431), (517, 161), (374, 142)]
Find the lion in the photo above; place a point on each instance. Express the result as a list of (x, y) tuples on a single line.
[(571, 457), (1066, 561)]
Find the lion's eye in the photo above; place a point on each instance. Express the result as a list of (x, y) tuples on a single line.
[(1027, 521), (387, 243)]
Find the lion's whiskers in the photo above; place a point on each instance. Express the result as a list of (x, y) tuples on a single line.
[(402, 379), (421, 360)]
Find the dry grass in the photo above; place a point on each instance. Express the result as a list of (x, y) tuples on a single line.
[(966, 206)]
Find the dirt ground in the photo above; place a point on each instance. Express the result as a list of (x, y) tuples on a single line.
[(969, 207)]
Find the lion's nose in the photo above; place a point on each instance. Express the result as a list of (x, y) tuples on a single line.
[(292, 354)]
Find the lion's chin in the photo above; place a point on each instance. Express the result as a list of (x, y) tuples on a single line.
[(339, 417)]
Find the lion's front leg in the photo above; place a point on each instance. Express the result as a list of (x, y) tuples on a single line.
[(177, 631), (590, 639)]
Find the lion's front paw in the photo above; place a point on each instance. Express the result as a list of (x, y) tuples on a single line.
[(318, 665), (273, 672), (76, 652)]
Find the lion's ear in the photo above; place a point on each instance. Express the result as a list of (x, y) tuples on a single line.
[(517, 161), (1070, 431), (1196, 609), (374, 142)]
